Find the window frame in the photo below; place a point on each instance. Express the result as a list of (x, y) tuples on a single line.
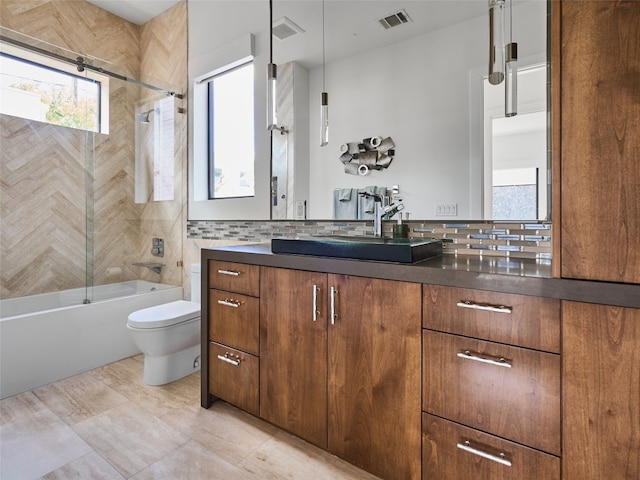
[(58, 66)]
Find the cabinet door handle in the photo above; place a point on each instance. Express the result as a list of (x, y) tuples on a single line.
[(500, 458), (484, 306), (225, 358), (229, 272), (500, 362), (316, 312), (334, 315), (230, 303)]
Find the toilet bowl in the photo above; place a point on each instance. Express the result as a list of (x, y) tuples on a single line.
[(169, 336)]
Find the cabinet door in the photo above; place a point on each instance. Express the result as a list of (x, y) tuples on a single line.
[(293, 352), (374, 375), (601, 392), (600, 121)]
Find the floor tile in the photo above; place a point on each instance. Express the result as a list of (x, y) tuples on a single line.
[(77, 398), (192, 462), (227, 431), (125, 377), (34, 440), (287, 457), (89, 467), (130, 438)]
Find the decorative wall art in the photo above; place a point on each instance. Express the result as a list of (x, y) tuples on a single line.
[(374, 153)]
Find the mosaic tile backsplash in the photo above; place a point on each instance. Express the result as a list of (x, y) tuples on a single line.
[(495, 239)]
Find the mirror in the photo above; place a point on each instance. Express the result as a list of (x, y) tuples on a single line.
[(423, 84)]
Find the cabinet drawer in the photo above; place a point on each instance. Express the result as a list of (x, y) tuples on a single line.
[(234, 277), (233, 377), (518, 398), (531, 322), (234, 320), (451, 451)]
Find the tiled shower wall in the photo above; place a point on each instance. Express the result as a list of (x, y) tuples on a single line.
[(42, 166)]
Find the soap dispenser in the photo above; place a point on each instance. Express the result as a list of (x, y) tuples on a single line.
[(401, 230)]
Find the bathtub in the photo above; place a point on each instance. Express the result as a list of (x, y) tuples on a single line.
[(47, 337)]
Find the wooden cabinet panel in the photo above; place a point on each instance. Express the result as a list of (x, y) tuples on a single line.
[(444, 459), (374, 375), (521, 320), (234, 277), (234, 320), (600, 148), (601, 392), (463, 383), (233, 377), (293, 352)]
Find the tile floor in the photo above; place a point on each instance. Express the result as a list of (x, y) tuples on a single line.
[(106, 424)]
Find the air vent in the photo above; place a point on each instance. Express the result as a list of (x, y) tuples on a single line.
[(395, 19), (285, 28)]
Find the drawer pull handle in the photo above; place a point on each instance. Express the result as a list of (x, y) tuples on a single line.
[(225, 358), (229, 303), (500, 362), (500, 458), (229, 272), (484, 306), (316, 312)]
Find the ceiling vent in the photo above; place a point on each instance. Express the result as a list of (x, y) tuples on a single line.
[(395, 19), (284, 28)]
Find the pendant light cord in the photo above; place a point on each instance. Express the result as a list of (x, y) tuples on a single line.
[(270, 31), (324, 89)]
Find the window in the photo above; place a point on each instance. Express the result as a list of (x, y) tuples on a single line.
[(231, 134), (39, 88)]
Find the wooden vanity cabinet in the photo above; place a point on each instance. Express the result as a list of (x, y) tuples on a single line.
[(348, 382), (233, 319), (601, 392), (491, 385)]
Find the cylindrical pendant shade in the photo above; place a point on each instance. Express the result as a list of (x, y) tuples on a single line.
[(324, 120), (496, 41), (272, 120), (511, 81)]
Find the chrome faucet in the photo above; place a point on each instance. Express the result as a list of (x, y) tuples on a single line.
[(381, 212)]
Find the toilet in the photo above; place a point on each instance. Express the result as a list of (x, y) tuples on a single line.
[(169, 336)]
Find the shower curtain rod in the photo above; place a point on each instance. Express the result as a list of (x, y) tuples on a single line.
[(81, 66)]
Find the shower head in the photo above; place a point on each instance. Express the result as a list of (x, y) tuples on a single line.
[(144, 116)]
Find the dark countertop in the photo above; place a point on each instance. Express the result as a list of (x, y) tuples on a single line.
[(520, 276)]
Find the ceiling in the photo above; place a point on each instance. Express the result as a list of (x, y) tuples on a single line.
[(136, 11), (351, 26)]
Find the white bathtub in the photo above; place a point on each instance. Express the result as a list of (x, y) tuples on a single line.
[(47, 337)]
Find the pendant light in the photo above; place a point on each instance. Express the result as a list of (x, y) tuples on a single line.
[(496, 42), (324, 100), (272, 74), (511, 72)]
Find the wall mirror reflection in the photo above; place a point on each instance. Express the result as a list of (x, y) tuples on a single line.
[(421, 80)]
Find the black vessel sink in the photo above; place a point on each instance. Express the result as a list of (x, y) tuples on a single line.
[(403, 250)]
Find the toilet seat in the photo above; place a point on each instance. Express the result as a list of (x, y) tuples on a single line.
[(164, 315)]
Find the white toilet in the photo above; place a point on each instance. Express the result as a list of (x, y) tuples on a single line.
[(169, 336)]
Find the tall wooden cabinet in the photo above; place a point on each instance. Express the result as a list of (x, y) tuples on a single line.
[(599, 139), (346, 351)]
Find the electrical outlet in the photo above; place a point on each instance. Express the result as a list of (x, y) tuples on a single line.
[(446, 209)]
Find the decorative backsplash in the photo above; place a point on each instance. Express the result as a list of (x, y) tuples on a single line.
[(495, 239)]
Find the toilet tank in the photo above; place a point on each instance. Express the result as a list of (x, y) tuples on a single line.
[(195, 282)]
